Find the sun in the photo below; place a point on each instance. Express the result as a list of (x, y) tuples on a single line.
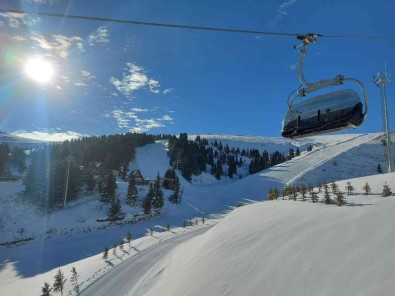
[(39, 70)]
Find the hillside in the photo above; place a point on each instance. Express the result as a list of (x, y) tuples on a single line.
[(55, 233), (289, 248)]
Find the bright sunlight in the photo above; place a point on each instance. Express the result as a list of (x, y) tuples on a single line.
[(39, 70)]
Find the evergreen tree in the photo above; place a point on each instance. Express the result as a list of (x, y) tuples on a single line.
[(309, 148), (132, 195), (110, 186), (232, 167), (59, 282), (297, 151), (74, 280), (114, 249), (294, 193), (129, 238), (105, 253), (115, 209), (334, 187), (386, 190), (175, 197), (218, 172), (273, 194), (157, 201), (367, 188), (350, 188), (46, 290), (291, 153), (340, 200), (313, 196), (379, 170), (121, 245), (303, 191), (319, 187), (327, 196), (147, 202), (90, 182)]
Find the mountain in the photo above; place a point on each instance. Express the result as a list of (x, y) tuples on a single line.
[(337, 157), (13, 140)]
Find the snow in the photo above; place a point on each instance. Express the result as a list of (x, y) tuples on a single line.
[(289, 248), (68, 237)]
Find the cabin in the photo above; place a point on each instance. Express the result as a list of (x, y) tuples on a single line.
[(138, 178)]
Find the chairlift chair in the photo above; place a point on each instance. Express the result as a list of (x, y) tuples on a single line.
[(334, 111)]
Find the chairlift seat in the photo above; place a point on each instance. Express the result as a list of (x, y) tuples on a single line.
[(325, 113)]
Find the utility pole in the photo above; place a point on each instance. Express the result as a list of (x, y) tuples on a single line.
[(380, 80), (67, 181)]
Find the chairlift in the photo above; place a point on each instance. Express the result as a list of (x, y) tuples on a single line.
[(334, 111)]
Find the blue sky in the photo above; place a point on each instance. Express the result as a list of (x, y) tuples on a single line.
[(113, 78)]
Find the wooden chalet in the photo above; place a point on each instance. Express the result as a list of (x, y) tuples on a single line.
[(138, 178)]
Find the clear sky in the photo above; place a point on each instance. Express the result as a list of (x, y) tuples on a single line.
[(113, 78)]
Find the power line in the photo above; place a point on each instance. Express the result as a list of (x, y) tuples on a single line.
[(132, 22)]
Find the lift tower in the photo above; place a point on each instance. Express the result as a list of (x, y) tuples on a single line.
[(380, 80)]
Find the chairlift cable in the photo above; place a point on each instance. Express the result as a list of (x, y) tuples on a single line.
[(133, 22)]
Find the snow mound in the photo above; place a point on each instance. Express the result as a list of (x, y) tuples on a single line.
[(289, 248)]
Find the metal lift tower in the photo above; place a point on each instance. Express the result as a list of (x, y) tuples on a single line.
[(380, 80)]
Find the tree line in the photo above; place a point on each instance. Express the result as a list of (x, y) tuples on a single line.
[(84, 164), (193, 157)]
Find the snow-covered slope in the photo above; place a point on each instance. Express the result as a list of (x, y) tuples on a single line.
[(289, 248), (76, 225)]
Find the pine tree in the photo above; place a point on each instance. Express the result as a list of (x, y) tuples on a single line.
[(114, 249), (290, 192), (379, 170), (59, 282), (115, 210), (46, 290), (327, 196), (386, 190), (110, 185), (340, 200), (294, 193), (157, 201), (297, 151), (121, 245), (319, 186), (105, 253), (147, 202), (175, 197), (74, 280), (367, 188), (129, 238), (131, 196), (313, 195), (218, 171), (303, 191), (90, 182), (350, 188), (334, 187)]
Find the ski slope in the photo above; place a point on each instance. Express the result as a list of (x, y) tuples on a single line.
[(64, 247), (283, 248)]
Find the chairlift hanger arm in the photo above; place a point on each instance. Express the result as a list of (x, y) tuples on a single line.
[(314, 86)]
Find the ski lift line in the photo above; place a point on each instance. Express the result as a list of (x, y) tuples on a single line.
[(133, 22)]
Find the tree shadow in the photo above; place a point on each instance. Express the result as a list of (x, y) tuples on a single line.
[(109, 263), (352, 204)]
